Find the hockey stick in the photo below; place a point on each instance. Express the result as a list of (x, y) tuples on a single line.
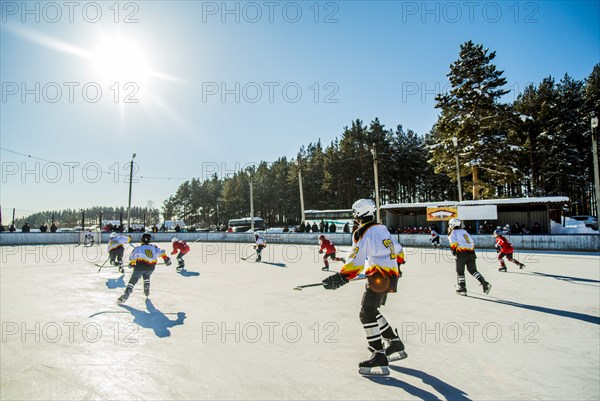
[(102, 265), (300, 287)]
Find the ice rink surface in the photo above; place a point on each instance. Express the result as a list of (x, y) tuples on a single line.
[(228, 329)]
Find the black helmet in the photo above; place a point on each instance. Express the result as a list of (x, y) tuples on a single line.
[(146, 238)]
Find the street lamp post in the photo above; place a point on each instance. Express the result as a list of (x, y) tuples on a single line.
[(301, 191), (251, 203), (594, 124), (129, 204), (455, 142), (374, 152)]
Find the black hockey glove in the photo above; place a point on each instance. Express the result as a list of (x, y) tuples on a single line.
[(498, 249), (453, 252), (168, 261), (335, 281)]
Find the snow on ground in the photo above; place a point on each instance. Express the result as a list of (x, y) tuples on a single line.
[(233, 329)]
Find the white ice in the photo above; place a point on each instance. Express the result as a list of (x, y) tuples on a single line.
[(233, 329)]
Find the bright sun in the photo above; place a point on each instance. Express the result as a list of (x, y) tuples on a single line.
[(120, 59)]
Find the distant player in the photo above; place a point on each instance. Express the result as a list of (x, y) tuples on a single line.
[(183, 248), (462, 247), (116, 248), (143, 259), (259, 245), (329, 248), (435, 237), (88, 239), (504, 248), (373, 251)]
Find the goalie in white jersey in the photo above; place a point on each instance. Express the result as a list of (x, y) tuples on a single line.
[(376, 252)]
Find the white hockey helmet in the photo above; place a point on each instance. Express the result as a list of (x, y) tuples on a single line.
[(363, 208), (174, 239), (113, 235), (453, 223)]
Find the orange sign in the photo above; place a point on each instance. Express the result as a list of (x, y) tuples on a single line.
[(441, 213)]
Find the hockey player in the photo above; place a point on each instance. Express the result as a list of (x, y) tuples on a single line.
[(329, 248), (505, 248), (462, 247), (88, 239), (373, 251), (259, 245), (435, 237), (183, 248), (116, 247), (143, 259)]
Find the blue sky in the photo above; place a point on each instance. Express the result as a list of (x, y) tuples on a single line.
[(199, 87)]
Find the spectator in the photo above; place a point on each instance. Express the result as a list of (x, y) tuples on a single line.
[(53, 228), (1, 228), (315, 227), (301, 227), (26, 228), (154, 229), (177, 228), (12, 228), (332, 227), (44, 228), (536, 229), (286, 229), (346, 228), (322, 226), (230, 230)]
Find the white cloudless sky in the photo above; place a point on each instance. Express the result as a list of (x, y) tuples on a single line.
[(195, 88)]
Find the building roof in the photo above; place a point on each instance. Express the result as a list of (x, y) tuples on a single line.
[(509, 201)]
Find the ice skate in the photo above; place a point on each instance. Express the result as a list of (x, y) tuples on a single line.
[(395, 349), (486, 287), (377, 365), (461, 290), (179, 268), (502, 269), (521, 265), (147, 291), (325, 268), (122, 299)]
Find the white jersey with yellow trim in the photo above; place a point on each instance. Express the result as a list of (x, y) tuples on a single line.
[(375, 250), (119, 240), (146, 254), (461, 241)]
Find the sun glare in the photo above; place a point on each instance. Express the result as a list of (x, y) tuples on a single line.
[(120, 59)]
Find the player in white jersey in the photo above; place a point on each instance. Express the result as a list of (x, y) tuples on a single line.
[(143, 259), (375, 252), (259, 245), (462, 247), (435, 237), (116, 248)]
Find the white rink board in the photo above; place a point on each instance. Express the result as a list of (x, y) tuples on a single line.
[(232, 329)]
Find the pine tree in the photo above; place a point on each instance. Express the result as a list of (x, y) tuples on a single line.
[(471, 112)]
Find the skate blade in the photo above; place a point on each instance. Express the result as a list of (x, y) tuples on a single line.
[(464, 294), (397, 356), (488, 289), (374, 371)]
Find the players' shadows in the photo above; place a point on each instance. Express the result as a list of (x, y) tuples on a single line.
[(568, 279), (186, 273), (113, 283), (274, 264), (558, 312), (155, 319), (449, 392)]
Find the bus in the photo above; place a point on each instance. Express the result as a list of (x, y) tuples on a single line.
[(244, 224), (338, 217)]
